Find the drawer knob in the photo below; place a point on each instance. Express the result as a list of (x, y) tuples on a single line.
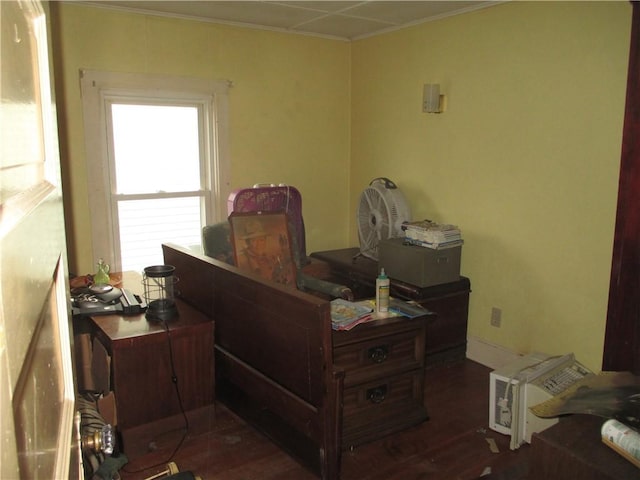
[(378, 354), (377, 394)]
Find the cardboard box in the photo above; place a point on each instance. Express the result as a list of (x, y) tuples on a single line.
[(419, 266)]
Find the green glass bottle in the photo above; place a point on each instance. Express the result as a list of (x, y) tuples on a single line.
[(102, 276)]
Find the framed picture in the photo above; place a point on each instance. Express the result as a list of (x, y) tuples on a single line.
[(262, 245)]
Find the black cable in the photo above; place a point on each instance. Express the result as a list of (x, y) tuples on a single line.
[(174, 380)]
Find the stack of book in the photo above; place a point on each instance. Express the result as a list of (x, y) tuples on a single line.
[(426, 233)]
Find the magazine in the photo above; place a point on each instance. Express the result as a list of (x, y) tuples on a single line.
[(407, 309), (345, 315)]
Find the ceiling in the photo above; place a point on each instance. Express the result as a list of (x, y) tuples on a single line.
[(347, 20)]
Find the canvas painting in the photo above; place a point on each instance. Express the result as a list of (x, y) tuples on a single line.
[(262, 245)]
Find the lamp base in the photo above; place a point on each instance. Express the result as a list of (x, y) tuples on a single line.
[(162, 310)]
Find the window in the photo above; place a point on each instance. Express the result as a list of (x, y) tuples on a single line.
[(157, 163)]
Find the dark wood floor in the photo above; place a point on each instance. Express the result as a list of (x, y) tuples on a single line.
[(452, 445)]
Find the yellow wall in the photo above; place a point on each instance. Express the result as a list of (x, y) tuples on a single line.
[(525, 159), (289, 106)]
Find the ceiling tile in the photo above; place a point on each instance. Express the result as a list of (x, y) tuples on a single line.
[(259, 13), (346, 20), (341, 26), (321, 6), (402, 12)]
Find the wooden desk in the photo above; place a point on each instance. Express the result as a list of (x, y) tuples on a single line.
[(446, 338), (572, 449), (147, 361)]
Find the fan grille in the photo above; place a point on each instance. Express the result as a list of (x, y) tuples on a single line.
[(380, 215)]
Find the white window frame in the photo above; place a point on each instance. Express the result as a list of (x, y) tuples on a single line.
[(99, 91)]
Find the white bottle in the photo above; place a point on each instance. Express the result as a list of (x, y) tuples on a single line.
[(622, 439), (382, 292)]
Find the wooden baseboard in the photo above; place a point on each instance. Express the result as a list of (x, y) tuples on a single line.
[(489, 354)]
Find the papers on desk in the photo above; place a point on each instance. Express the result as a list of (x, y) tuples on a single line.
[(407, 309), (428, 234), (345, 315)]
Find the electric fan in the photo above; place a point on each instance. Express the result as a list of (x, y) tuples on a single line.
[(381, 213)]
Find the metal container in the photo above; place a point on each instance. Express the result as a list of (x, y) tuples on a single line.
[(158, 282), (419, 266)]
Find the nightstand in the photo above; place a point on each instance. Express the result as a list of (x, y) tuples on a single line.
[(146, 361), (383, 361)]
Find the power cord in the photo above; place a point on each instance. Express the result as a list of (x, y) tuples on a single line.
[(174, 380)]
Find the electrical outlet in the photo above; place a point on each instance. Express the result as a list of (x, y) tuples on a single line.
[(496, 317)]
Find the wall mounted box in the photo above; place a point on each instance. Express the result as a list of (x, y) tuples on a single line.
[(420, 266)]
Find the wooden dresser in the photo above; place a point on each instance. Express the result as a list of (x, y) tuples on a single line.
[(446, 339), (383, 361)]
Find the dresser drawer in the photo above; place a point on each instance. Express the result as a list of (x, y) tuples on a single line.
[(383, 406), (380, 357)]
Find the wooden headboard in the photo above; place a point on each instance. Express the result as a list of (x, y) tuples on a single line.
[(273, 354)]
